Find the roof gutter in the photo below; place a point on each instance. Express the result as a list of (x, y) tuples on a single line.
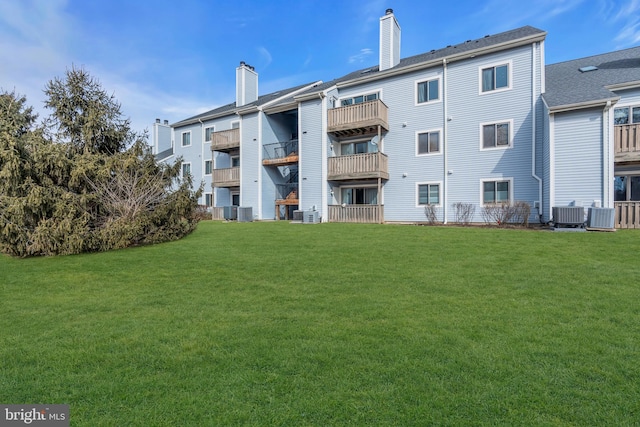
[(582, 105), (623, 86), (450, 58)]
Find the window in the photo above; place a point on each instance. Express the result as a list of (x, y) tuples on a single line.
[(360, 196), (359, 99), (428, 91), (626, 115), (359, 147), (186, 169), (496, 135), (186, 139), (208, 199), (495, 77), (627, 188), (427, 142), (208, 166), (428, 194), (235, 199), (496, 192), (235, 125), (235, 161), (208, 133)]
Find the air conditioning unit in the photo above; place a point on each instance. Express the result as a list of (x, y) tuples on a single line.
[(310, 217), (568, 215), (298, 215), (245, 214), (601, 218), (230, 212)]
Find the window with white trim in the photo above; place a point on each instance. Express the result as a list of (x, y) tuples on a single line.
[(495, 77), (186, 169), (208, 167), (186, 138), (235, 125), (626, 115), (427, 91), (208, 199), (427, 142), (428, 193), (235, 161), (208, 133), (359, 99), (496, 135), (498, 191)]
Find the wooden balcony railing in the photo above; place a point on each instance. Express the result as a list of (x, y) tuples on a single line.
[(217, 213), (627, 214), (358, 166), (358, 119), (229, 177), (225, 140), (356, 213), (627, 142)]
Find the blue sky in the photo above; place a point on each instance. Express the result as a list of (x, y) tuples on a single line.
[(173, 59)]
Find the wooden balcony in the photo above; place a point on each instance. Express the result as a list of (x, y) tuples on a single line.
[(229, 177), (627, 143), (358, 166), (627, 214), (358, 119), (225, 140), (372, 214), (281, 153)]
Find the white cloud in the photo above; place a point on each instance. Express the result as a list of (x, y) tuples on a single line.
[(266, 56), (628, 18), (361, 56)]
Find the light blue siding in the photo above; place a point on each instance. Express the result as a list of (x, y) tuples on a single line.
[(250, 161), (467, 109), (310, 166), (578, 157)]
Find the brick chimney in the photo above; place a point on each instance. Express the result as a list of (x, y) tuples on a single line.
[(246, 84), (389, 41)]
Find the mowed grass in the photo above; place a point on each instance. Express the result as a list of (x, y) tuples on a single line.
[(331, 324)]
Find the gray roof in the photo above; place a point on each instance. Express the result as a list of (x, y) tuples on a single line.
[(568, 87), (468, 47), (452, 51), (232, 109)]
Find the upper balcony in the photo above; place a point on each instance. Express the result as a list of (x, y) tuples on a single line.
[(358, 166), (225, 140), (281, 153), (627, 143), (358, 119), (227, 177)]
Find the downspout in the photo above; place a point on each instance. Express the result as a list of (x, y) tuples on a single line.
[(608, 150), (202, 152), (533, 130), (444, 142), (324, 208)]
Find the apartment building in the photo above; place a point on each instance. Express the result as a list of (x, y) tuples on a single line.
[(479, 123)]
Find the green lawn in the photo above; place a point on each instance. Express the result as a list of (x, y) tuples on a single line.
[(331, 324)]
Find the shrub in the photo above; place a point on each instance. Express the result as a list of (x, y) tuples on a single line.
[(431, 211), (502, 214), (463, 212)]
